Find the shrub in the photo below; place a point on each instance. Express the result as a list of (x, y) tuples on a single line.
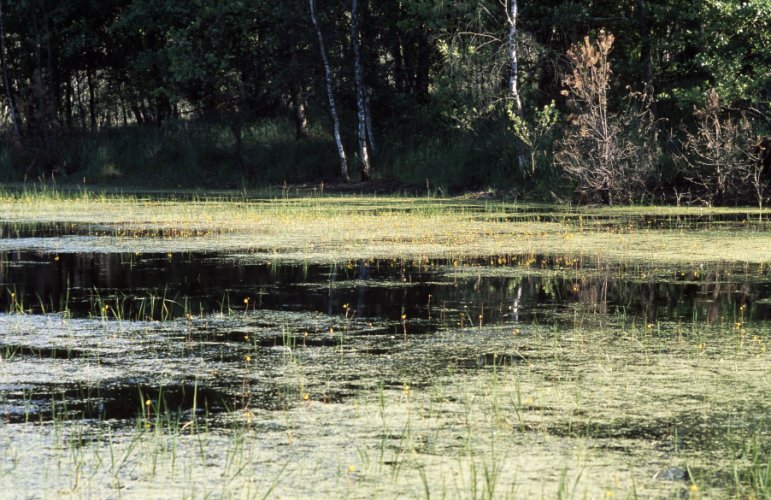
[(610, 155), (721, 158)]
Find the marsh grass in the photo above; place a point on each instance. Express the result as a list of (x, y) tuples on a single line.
[(582, 402), (563, 413), (326, 229)]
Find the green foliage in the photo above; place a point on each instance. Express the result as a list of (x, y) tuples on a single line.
[(213, 77), (537, 134), (738, 51), (453, 162)]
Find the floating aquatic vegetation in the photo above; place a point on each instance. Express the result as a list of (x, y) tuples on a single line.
[(238, 348)]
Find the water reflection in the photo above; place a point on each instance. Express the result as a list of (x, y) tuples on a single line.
[(471, 292), (351, 321)]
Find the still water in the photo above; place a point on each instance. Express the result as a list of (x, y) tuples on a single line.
[(94, 335)]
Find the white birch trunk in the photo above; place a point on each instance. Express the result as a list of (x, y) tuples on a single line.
[(330, 94), (370, 129), (361, 96), (514, 75)]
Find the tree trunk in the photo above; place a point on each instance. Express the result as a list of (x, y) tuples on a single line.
[(236, 126), (399, 78), (409, 62), (296, 94), (79, 102), (68, 102), (38, 87), (6, 80), (147, 113), (54, 90), (644, 26), (123, 111), (298, 110), (423, 67), (330, 94), (370, 128), (514, 77), (138, 114), (90, 80), (163, 108), (361, 96)]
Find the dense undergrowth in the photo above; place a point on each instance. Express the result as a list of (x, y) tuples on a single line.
[(187, 154)]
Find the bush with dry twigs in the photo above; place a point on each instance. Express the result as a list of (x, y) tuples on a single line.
[(721, 159), (609, 154)]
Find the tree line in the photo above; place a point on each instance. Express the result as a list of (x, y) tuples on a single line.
[(625, 100)]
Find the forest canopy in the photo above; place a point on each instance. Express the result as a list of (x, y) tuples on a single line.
[(600, 101)]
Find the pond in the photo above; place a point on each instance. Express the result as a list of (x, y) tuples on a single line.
[(231, 372)]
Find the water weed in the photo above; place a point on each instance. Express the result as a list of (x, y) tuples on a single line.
[(227, 346)]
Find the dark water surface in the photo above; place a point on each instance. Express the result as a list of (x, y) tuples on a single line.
[(511, 288), (169, 299)]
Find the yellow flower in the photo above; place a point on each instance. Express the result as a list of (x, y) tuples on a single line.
[(148, 402), (306, 397), (247, 358)]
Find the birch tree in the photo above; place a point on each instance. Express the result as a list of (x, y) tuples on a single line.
[(516, 107), (513, 59), (361, 94), (370, 128), (330, 95)]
